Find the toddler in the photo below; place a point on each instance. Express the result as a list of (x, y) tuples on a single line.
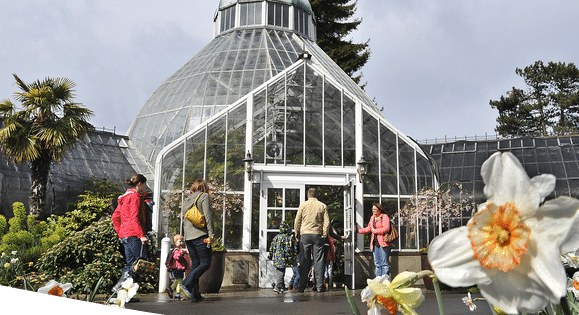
[(177, 264)]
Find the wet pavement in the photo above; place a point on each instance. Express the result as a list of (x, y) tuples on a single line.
[(266, 301)]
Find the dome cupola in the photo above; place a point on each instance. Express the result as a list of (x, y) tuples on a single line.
[(293, 15)]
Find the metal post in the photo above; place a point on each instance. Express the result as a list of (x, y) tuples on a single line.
[(163, 274)]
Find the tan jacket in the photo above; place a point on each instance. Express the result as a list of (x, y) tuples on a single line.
[(312, 218), (204, 205)]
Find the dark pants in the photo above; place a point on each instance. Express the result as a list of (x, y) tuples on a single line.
[(133, 245), (312, 243), (200, 261)]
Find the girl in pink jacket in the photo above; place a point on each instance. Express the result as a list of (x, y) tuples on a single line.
[(379, 225)]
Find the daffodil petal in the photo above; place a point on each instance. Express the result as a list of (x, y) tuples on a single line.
[(462, 270), (557, 220), (506, 293), (408, 296), (379, 288), (401, 278), (506, 181)]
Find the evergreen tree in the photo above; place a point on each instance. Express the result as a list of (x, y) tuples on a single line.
[(550, 104), (334, 25)]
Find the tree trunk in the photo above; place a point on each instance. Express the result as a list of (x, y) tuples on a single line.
[(39, 170)]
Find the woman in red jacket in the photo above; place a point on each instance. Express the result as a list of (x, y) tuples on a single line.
[(129, 221), (379, 225)]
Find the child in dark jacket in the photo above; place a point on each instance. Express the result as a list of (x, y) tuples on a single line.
[(283, 253), (177, 264)]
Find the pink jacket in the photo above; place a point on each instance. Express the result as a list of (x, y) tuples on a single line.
[(382, 227), (129, 217)]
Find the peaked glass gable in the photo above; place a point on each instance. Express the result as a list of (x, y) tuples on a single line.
[(301, 118)]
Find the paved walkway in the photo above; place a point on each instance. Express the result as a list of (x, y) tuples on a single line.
[(265, 301)]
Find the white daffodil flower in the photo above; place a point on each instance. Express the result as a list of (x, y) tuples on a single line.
[(468, 301), (125, 293), (55, 288), (380, 294), (511, 248), (573, 285)]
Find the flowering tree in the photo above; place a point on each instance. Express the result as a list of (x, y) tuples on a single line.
[(224, 201), (446, 203)]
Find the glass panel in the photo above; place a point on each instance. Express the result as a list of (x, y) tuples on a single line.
[(292, 198), (388, 161), (171, 194), (295, 117), (259, 127), (370, 151), (236, 148), (274, 197), (290, 217), (216, 150), (275, 122), (332, 125), (406, 171), (424, 172), (349, 132), (314, 122)]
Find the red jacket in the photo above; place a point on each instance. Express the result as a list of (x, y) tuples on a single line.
[(381, 227), (129, 219)]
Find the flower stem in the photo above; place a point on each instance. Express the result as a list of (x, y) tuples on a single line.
[(438, 295), (355, 310)]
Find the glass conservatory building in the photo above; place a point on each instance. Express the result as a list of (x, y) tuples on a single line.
[(263, 114)]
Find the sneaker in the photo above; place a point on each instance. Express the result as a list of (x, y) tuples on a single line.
[(184, 291), (169, 292), (277, 290)]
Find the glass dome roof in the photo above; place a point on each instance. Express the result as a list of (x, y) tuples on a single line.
[(301, 4), (229, 67)]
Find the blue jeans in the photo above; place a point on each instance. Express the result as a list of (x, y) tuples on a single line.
[(200, 262), (294, 282), (381, 256), (133, 245)]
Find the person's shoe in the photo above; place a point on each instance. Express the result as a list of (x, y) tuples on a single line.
[(198, 299), (169, 291), (291, 287), (117, 286), (314, 289), (276, 290), (185, 291), (322, 289)]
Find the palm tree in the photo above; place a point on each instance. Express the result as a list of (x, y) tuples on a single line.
[(48, 124)]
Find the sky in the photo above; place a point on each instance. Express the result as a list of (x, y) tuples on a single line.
[(433, 68)]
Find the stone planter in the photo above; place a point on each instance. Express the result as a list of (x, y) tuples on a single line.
[(210, 281)]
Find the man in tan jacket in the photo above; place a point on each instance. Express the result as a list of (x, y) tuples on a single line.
[(312, 225)]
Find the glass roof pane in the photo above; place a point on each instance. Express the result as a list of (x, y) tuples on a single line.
[(236, 148), (388, 159), (332, 125), (314, 122), (406, 171), (349, 131), (295, 117), (259, 124), (370, 151)]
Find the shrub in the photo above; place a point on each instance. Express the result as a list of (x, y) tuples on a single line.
[(85, 256)]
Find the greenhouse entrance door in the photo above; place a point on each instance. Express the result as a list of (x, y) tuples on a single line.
[(280, 201)]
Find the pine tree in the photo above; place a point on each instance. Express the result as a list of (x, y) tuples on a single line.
[(333, 18), (550, 104)]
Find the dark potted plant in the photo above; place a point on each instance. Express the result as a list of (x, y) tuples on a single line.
[(211, 280)]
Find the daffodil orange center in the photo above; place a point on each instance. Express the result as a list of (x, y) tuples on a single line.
[(388, 302), (499, 236), (57, 290), (575, 284)]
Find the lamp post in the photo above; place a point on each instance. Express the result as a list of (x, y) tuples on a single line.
[(248, 165), (362, 167)]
